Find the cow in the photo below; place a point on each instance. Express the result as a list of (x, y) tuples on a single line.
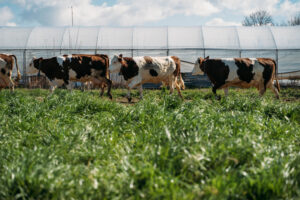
[(139, 70), (239, 72), (67, 69), (6, 67)]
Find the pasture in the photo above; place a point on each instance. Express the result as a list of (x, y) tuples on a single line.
[(79, 146)]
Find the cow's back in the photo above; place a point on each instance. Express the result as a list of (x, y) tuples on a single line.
[(157, 69), (85, 65)]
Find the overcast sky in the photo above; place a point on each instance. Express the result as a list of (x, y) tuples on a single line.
[(140, 12)]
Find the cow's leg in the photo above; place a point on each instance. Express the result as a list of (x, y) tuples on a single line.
[(226, 91), (11, 85), (171, 83), (182, 86), (262, 88), (53, 85), (102, 86), (52, 88), (214, 89), (82, 88), (274, 89), (70, 86), (178, 88), (164, 84), (134, 83), (141, 91), (109, 84), (128, 95), (3, 82)]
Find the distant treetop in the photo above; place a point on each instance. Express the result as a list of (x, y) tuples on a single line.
[(258, 18)]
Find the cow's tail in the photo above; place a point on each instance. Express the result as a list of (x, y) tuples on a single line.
[(181, 82), (18, 71), (106, 65), (276, 78)]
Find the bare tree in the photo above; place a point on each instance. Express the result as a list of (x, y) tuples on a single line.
[(258, 18), (295, 20)]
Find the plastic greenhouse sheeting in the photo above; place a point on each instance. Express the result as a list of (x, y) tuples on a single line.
[(188, 43)]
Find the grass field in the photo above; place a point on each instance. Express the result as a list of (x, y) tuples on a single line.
[(79, 146)]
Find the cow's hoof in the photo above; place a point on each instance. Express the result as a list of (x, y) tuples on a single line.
[(218, 97)]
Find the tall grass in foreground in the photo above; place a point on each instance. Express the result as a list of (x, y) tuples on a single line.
[(77, 145)]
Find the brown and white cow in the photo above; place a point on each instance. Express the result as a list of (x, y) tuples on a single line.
[(240, 72), (6, 67), (66, 69), (139, 70)]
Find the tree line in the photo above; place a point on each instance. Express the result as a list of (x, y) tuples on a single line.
[(263, 17)]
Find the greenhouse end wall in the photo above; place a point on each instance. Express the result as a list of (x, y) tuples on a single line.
[(188, 43)]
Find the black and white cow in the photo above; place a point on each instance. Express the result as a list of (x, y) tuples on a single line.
[(240, 72), (6, 67), (66, 69), (139, 70)]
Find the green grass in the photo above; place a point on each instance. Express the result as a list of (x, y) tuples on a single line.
[(79, 146)]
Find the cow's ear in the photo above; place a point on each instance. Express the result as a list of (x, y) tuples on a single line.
[(207, 58)]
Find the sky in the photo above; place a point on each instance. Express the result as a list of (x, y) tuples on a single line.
[(140, 12)]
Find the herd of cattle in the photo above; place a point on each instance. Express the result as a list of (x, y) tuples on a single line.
[(68, 69)]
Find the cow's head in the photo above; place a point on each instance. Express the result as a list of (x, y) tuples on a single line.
[(199, 66), (34, 66), (116, 63)]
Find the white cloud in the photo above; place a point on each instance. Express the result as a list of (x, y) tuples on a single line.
[(248, 6), (11, 24), (141, 12), (221, 22), (289, 9), (6, 16), (124, 12)]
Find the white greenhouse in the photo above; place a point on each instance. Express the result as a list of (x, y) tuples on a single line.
[(188, 43)]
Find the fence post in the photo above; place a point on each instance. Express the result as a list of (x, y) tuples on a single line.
[(277, 62), (24, 68)]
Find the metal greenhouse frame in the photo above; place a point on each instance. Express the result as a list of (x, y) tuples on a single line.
[(188, 43)]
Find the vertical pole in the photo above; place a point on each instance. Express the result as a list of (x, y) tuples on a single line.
[(72, 15), (132, 37), (277, 62), (24, 68), (167, 41)]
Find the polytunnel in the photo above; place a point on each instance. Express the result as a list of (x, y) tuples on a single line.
[(188, 43)]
